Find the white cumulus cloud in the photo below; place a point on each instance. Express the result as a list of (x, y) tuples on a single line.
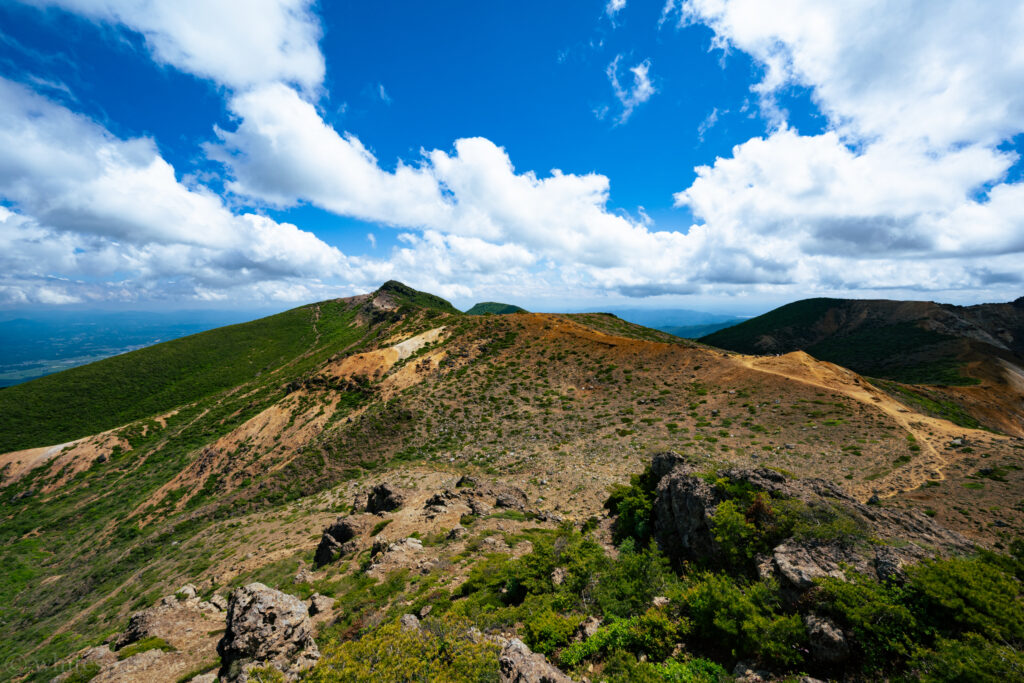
[(236, 44)]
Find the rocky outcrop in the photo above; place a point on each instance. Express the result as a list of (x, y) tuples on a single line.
[(519, 664), (339, 539), (685, 503), (266, 627), (480, 497), (406, 553), (384, 498)]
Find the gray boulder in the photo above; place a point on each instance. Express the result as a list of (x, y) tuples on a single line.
[(828, 644), (266, 627), (518, 664)]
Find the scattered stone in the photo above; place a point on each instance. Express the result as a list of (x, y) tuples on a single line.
[(186, 592), (558, 576), (219, 602), (660, 601), (508, 502), (828, 644), (338, 539), (457, 533), (266, 627), (409, 622), (384, 498), (318, 604), (519, 664)]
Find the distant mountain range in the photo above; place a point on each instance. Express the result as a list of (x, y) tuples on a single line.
[(680, 322)]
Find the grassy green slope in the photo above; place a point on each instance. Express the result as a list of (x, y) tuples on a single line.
[(41, 534), (486, 307), (117, 390)]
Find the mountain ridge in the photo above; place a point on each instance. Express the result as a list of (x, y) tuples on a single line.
[(394, 387)]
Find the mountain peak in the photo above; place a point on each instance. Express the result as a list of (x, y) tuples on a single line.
[(402, 294)]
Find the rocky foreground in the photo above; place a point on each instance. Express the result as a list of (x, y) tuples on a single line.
[(258, 633)]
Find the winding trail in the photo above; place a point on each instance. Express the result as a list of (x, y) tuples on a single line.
[(801, 367)]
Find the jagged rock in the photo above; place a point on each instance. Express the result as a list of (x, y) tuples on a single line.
[(828, 644), (440, 499), (799, 565), (682, 513), (384, 498), (336, 539), (587, 628), (266, 627), (409, 622), (380, 544), (509, 502), (319, 604), (457, 532), (219, 602), (519, 664), (558, 576), (685, 504), (889, 566)]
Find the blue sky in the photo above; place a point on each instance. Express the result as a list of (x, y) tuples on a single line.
[(717, 154)]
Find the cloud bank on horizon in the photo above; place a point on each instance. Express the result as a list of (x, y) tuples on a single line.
[(911, 184)]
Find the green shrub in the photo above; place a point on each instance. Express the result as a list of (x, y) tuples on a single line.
[(632, 505), (738, 540), (83, 673), (884, 629), (653, 634), (441, 650), (964, 595), (548, 631), (970, 659), (151, 643), (741, 622), (693, 671), (379, 526), (622, 667), (633, 580)]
